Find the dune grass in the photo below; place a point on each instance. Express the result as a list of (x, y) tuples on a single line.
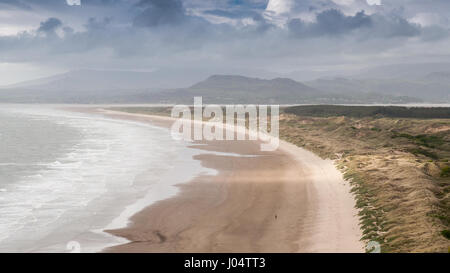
[(398, 169)]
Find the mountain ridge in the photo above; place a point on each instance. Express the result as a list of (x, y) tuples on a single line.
[(88, 86)]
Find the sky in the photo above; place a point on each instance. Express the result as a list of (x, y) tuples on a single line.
[(266, 38)]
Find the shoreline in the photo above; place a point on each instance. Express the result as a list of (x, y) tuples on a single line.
[(103, 167), (255, 207)]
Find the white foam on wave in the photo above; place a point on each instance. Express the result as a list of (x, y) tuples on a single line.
[(95, 175)]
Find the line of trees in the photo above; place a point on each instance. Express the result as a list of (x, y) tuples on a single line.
[(369, 111)]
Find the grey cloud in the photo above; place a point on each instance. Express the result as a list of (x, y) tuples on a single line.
[(50, 25), (94, 23), (334, 23), (329, 22), (226, 4), (394, 26), (57, 4), (434, 33), (232, 13), (192, 41), (15, 4), (198, 35), (160, 12), (32, 4)]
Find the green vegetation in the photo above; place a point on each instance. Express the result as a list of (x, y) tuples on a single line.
[(420, 151), (371, 220), (445, 172), (369, 111), (396, 160), (446, 233), (430, 141)]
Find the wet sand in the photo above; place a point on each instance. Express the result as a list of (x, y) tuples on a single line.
[(288, 200)]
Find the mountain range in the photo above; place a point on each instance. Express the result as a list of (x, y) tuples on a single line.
[(433, 87), (94, 86)]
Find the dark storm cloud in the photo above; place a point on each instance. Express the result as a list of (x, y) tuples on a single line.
[(334, 23), (253, 4), (232, 13), (50, 25), (154, 33), (96, 24), (160, 12), (193, 34), (330, 22)]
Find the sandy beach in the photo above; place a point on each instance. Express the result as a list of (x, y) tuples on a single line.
[(289, 200)]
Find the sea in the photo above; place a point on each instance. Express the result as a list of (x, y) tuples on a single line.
[(66, 177)]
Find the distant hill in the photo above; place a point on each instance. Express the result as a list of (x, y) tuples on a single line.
[(432, 87), (91, 86), (235, 89), (223, 89), (233, 83), (87, 79), (402, 71)]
